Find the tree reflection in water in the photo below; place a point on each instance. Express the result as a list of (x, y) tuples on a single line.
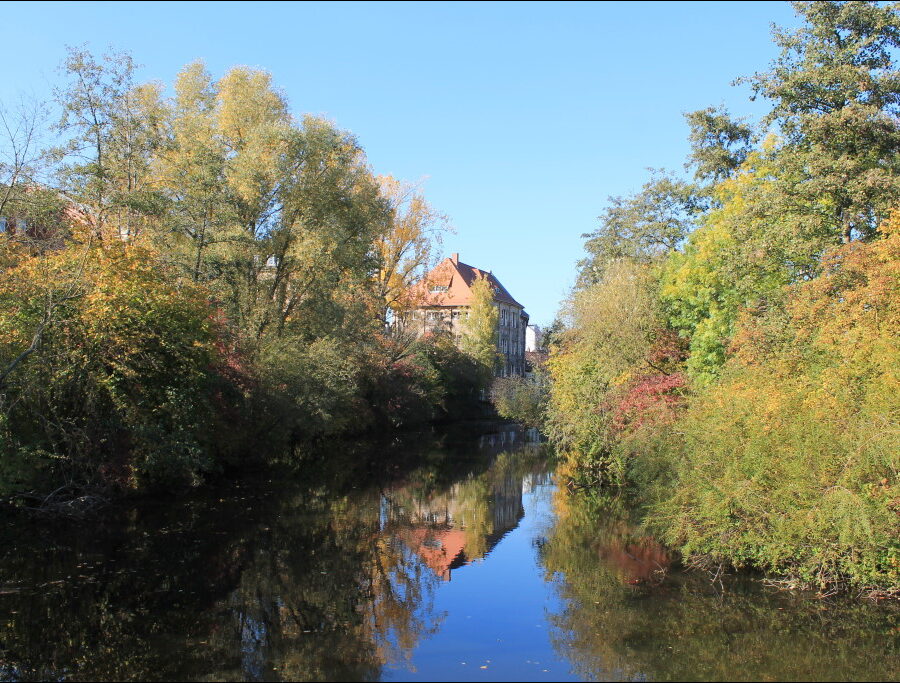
[(627, 614), (277, 579), (263, 581)]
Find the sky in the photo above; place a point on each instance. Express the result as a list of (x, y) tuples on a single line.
[(518, 119)]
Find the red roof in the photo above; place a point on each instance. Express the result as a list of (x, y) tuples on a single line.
[(458, 279)]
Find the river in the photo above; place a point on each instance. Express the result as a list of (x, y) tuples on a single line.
[(425, 557)]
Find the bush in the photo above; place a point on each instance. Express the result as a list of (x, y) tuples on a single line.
[(791, 463), (118, 388), (455, 377), (520, 399)]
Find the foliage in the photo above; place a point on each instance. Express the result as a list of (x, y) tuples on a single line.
[(236, 259), (641, 228), (779, 392), (804, 422), (454, 377), (406, 247), (480, 330), (521, 399), (120, 384), (612, 324), (719, 144), (835, 96)]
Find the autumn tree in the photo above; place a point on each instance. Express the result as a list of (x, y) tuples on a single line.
[(481, 328), (406, 249), (190, 170)]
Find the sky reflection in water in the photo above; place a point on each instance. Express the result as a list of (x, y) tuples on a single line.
[(426, 558)]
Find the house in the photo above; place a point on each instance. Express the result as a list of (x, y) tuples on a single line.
[(534, 338), (441, 301), (45, 220)]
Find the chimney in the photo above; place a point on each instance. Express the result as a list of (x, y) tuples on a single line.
[(455, 258)]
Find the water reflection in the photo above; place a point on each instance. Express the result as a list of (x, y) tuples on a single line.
[(267, 580), (448, 527), (626, 614), (357, 577)]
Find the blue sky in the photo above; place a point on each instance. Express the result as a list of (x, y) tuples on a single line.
[(520, 117)]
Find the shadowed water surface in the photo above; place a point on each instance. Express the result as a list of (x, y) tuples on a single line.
[(451, 557)]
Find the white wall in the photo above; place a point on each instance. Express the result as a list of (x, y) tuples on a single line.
[(533, 337)]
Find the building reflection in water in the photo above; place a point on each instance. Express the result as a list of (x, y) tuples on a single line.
[(449, 527), (331, 575)]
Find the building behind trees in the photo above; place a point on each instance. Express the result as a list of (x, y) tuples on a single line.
[(441, 304)]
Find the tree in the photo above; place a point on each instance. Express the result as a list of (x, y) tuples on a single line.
[(114, 127), (481, 329), (21, 158), (719, 144), (611, 327), (406, 248), (642, 227), (804, 421), (190, 167), (835, 92)]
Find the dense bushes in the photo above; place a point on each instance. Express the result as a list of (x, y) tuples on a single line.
[(734, 358), (127, 365), (790, 462), (615, 343)]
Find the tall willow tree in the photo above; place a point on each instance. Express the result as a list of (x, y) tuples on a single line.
[(278, 217), (190, 167)]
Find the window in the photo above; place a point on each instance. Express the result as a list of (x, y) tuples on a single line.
[(2, 224), (437, 289)]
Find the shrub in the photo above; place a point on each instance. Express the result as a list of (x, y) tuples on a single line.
[(520, 399), (791, 463), (117, 389)]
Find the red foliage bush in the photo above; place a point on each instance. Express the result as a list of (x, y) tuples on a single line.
[(652, 399)]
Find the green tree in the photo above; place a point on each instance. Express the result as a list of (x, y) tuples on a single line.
[(481, 329), (643, 227), (835, 93), (719, 143), (113, 126)]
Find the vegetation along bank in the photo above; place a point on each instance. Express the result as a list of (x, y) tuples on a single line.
[(730, 354)]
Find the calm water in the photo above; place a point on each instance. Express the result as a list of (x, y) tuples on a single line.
[(428, 558)]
